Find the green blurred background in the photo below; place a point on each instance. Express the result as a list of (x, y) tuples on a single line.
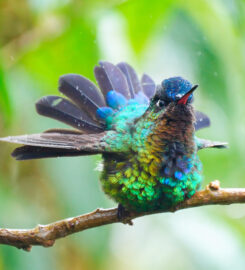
[(203, 41)]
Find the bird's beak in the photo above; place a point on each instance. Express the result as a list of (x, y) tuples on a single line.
[(184, 99)]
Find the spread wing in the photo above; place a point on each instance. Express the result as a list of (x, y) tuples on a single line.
[(54, 144), (85, 108)]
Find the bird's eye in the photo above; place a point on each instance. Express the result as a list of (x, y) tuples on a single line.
[(160, 103)]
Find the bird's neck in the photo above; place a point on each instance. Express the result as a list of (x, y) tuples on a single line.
[(173, 133), (176, 125)]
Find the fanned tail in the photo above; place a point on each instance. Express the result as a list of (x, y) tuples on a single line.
[(82, 92), (63, 110), (113, 79), (89, 110), (131, 77), (119, 85), (86, 112), (148, 86)]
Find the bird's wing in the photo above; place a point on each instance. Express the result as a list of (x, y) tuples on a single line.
[(54, 144), (86, 111), (202, 143)]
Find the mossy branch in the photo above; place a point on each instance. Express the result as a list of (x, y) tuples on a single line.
[(46, 235)]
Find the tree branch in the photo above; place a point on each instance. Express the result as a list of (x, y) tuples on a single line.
[(45, 235)]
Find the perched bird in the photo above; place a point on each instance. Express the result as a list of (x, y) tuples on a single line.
[(145, 133)]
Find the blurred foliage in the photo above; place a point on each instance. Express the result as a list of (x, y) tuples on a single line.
[(200, 40)]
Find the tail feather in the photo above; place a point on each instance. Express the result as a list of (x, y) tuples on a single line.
[(120, 88), (132, 78), (202, 120), (63, 110), (119, 85), (115, 79), (102, 80), (148, 85), (82, 92)]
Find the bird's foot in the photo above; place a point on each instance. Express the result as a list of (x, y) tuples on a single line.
[(123, 215)]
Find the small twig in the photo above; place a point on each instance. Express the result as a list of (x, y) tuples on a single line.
[(45, 235)]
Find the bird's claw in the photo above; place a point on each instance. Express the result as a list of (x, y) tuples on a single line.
[(123, 214)]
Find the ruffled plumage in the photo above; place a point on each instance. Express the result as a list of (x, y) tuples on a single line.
[(119, 86), (91, 110)]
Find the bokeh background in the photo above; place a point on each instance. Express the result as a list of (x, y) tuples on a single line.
[(203, 41)]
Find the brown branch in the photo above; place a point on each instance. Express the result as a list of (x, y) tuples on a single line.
[(45, 235)]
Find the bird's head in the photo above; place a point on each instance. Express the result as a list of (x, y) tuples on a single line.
[(175, 90), (171, 108)]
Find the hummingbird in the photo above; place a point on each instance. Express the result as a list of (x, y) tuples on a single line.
[(146, 134)]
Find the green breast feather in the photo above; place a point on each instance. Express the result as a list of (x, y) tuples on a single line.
[(149, 172)]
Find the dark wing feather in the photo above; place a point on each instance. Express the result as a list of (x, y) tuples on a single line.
[(202, 120), (82, 142), (33, 152), (63, 131), (203, 143), (132, 78), (115, 79), (82, 92), (61, 109), (148, 85)]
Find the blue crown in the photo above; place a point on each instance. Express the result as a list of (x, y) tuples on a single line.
[(174, 88)]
